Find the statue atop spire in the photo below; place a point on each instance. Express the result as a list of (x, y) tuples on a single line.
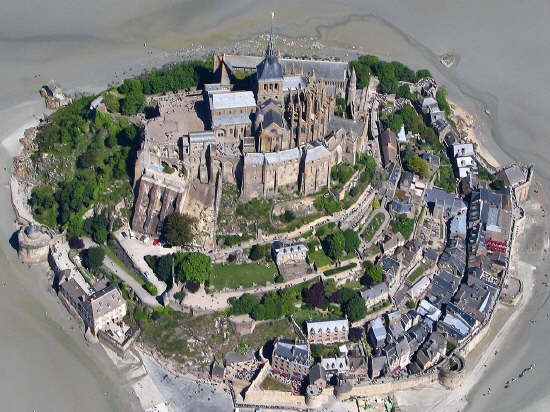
[(271, 51)]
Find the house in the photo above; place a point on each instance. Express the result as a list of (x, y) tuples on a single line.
[(317, 376), (335, 366), (432, 160), (388, 147), (419, 288), (406, 180), (429, 312), (392, 242), (417, 334), (431, 351), (519, 179), (409, 254), (457, 226), (390, 268), (327, 331), (442, 203), (293, 254), (377, 333), (390, 185), (378, 366), (400, 208), (464, 159), (291, 359), (457, 324), (444, 286), (376, 294)]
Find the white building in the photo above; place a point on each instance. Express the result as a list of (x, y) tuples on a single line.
[(327, 331), (464, 157)]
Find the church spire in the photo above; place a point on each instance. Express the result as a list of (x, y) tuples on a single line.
[(270, 51)]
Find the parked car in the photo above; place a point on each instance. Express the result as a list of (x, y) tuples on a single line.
[(156, 242), (124, 235)]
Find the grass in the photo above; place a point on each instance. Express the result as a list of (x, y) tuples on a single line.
[(416, 274), (319, 259), (334, 271), (233, 275), (272, 384), (301, 315), (373, 226)]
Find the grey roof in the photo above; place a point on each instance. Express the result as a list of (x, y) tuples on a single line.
[(292, 249), (336, 123), (458, 225), (317, 372), (231, 100), (406, 179), (269, 69), (294, 82), (233, 357), (73, 289), (320, 326), (515, 175), (317, 152), (323, 69), (432, 159), (105, 301), (394, 172), (375, 292), (292, 352), (272, 116), (448, 201), (202, 137), (283, 156), (229, 119), (96, 102), (378, 329), (431, 254), (444, 285), (254, 158)]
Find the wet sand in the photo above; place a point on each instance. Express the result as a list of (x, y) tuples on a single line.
[(503, 62)]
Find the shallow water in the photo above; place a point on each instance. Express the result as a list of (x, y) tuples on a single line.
[(503, 67)]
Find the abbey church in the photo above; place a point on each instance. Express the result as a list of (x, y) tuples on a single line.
[(279, 135)]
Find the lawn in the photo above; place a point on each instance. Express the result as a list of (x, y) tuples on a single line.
[(319, 259), (416, 274), (373, 226), (233, 275), (272, 384)]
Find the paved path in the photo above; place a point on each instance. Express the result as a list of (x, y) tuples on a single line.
[(145, 296)]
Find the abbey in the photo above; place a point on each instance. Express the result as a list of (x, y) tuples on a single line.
[(277, 134)]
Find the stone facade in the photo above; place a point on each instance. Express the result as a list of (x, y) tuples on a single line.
[(327, 331), (33, 243), (280, 136)]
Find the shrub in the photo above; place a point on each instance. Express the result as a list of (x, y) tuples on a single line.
[(76, 243), (149, 287), (192, 287), (403, 225)]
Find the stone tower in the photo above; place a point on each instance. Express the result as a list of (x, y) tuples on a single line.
[(269, 74)]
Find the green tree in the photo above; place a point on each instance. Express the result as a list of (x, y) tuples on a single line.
[(419, 166), (420, 74), (288, 216), (497, 184), (193, 266), (246, 303), (334, 244), (404, 92), (352, 240), (394, 121), (374, 272), (92, 258), (441, 97), (151, 288), (177, 229), (355, 308), (258, 252), (403, 225)]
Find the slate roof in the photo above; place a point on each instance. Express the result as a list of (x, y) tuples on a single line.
[(272, 116), (376, 291), (294, 82), (320, 326), (441, 198), (105, 301), (269, 69), (458, 225), (232, 100), (515, 175), (283, 156), (228, 119), (400, 207), (293, 352), (317, 152), (202, 137)]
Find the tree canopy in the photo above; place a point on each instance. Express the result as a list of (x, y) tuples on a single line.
[(178, 229), (355, 308), (193, 266), (403, 225), (373, 274), (351, 240), (92, 258), (334, 244), (419, 166)]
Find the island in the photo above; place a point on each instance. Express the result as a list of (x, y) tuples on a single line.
[(300, 231)]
